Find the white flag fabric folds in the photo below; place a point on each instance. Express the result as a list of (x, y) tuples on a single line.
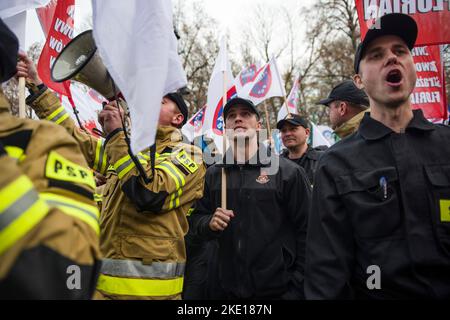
[(9, 8), (267, 84), (13, 13), (138, 46)]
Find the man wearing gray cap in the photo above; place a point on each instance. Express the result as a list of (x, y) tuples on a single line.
[(380, 222), (347, 105)]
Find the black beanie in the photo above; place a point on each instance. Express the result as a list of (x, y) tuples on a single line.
[(9, 48)]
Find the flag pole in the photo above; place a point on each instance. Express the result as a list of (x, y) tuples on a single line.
[(267, 119), (224, 143), (21, 89)]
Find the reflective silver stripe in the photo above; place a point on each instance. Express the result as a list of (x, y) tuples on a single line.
[(58, 116), (135, 269), (63, 204), (101, 154), (124, 165), (16, 209)]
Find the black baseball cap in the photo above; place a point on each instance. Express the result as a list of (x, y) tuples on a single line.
[(346, 91), (397, 24), (293, 119), (9, 48), (239, 101), (179, 101)]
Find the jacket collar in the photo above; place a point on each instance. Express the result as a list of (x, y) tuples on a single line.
[(372, 129), (351, 125), (262, 158)]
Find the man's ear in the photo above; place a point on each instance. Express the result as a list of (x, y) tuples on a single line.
[(258, 125), (358, 82), (343, 108), (177, 120), (307, 131)]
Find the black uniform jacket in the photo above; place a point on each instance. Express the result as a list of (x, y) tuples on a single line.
[(262, 251), (380, 220), (308, 161)]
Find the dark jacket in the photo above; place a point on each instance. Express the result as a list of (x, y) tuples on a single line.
[(382, 199), (261, 252), (308, 161)]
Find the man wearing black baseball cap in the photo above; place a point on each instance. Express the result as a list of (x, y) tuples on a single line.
[(295, 132), (265, 216), (381, 202), (347, 105)]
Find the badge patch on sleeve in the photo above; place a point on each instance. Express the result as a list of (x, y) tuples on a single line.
[(59, 168), (186, 161), (445, 210)]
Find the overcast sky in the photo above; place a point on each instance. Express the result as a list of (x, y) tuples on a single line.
[(230, 14)]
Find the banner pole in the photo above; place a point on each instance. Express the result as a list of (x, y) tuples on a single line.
[(21, 92), (224, 142)]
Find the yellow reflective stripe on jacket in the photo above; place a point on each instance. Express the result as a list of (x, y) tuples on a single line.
[(98, 197), (178, 178), (58, 116), (20, 210), (85, 212), (123, 166), (139, 287), (100, 157), (16, 153)]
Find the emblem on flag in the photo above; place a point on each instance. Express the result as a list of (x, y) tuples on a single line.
[(248, 75), (218, 120), (261, 88)]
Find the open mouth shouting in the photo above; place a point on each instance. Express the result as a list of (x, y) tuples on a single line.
[(394, 78)]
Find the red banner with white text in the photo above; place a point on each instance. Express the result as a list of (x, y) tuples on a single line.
[(432, 17), (429, 94), (59, 32)]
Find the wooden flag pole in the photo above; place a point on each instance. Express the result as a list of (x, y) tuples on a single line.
[(224, 143), (21, 88)]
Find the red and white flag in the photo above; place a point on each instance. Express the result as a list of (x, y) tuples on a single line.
[(293, 100), (245, 77), (429, 94), (193, 127), (267, 84), (57, 21), (221, 78)]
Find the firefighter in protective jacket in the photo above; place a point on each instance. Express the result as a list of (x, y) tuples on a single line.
[(143, 223), (48, 220)]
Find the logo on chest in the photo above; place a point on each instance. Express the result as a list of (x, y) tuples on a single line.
[(263, 178)]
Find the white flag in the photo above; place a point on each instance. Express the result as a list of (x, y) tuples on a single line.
[(193, 127), (245, 78), (267, 84), (317, 137), (214, 122), (138, 47), (9, 8), (292, 101), (13, 13)]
